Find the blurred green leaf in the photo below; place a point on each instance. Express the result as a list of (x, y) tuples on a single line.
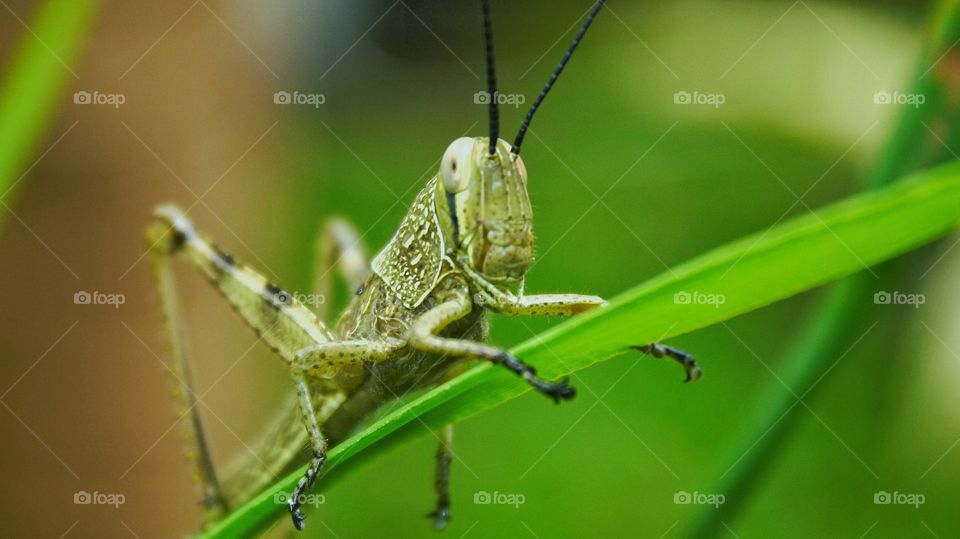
[(33, 86), (826, 335), (806, 252)]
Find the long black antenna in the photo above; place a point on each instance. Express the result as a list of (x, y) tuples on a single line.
[(553, 78), (491, 79)]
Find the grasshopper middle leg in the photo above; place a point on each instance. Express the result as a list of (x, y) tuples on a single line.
[(441, 483), (339, 249)]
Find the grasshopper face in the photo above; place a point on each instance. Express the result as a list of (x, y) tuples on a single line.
[(489, 219)]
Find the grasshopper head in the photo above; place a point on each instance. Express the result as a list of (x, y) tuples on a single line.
[(482, 197), (490, 222)]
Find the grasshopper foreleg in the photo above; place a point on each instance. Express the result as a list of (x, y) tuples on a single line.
[(424, 336), (504, 302)]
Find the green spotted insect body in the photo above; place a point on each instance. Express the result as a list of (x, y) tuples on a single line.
[(417, 318)]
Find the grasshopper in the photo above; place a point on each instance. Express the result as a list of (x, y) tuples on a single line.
[(416, 319)]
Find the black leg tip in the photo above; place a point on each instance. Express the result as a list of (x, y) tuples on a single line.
[(687, 361), (297, 518), (295, 513), (440, 518), (558, 391), (693, 373)]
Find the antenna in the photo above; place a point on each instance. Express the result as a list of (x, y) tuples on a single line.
[(553, 77), (491, 79)]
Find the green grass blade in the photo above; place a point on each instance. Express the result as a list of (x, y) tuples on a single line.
[(33, 86), (827, 334), (796, 256)]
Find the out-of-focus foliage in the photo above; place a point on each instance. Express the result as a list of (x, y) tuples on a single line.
[(31, 88)]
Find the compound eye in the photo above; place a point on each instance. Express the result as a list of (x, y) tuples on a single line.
[(457, 167)]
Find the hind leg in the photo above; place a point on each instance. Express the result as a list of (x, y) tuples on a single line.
[(281, 322), (214, 502)]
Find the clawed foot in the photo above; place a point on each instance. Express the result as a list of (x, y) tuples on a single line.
[(305, 483), (555, 390), (440, 517), (686, 360), (296, 514)]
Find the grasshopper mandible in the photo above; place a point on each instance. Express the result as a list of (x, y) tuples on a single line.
[(417, 317)]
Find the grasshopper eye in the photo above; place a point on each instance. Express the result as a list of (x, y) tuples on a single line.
[(457, 166)]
